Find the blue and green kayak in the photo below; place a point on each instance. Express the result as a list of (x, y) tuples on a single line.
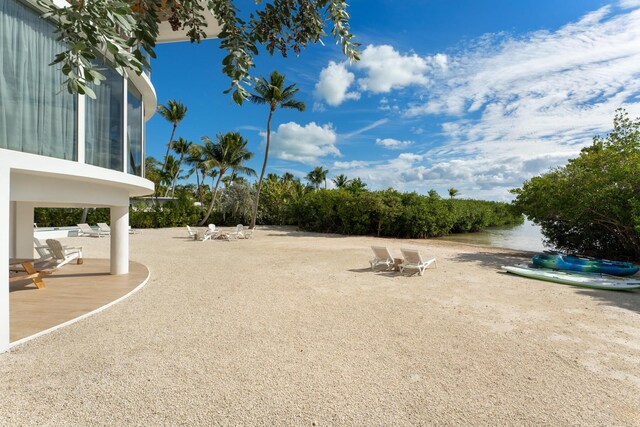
[(585, 265), (585, 280)]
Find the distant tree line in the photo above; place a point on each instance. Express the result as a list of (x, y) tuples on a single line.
[(286, 200)]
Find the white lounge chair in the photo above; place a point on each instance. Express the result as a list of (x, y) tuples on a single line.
[(42, 250), (243, 233), (239, 233), (193, 234), (211, 233), (382, 256), (45, 253), (62, 255), (86, 230), (104, 228), (413, 260)]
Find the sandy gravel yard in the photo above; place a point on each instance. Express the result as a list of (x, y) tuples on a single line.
[(293, 328)]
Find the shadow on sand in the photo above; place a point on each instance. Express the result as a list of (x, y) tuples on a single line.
[(495, 260)]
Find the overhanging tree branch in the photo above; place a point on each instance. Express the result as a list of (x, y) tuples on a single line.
[(125, 30)]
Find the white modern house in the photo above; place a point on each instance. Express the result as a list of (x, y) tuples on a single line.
[(63, 150)]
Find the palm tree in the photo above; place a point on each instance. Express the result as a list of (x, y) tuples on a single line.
[(181, 147), (356, 184), (166, 176), (174, 112), (273, 93), (340, 181), (317, 175), (195, 159), (453, 192), (287, 177), (228, 153)]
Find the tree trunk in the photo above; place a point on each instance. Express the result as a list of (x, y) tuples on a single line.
[(175, 177), (166, 156), (198, 183), (264, 168), (213, 200)]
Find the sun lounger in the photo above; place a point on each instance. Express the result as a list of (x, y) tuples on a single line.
[(193, 234), (86, 230), (42, 250), (45, 253), (382, 256), (104, 228), (62, 255), (211, 233), (414, 260)]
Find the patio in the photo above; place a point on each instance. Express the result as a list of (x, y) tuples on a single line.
[(72, 291)]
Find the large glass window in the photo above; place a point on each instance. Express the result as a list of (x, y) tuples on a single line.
[(134, 130), (104, 122), (36, 114)]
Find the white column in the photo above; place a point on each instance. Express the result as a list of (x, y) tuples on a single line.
[(4, 256), (24, 230), (119, 239), (82, 102), (12, 229)]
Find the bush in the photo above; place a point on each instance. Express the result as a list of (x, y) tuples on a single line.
[(591, 206), (390, 213)]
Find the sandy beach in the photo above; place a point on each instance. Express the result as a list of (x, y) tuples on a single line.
[(293, 328)]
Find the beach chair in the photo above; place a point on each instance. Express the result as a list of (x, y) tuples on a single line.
[(193, 234), (45, 253), (61, 255), (382, 256), (413, 259), (86, 230), (42, 250), (211, 233), (104, 228), (239, 233)]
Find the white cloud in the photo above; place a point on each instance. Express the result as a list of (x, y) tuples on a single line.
[(334, 83), (350, 165), (366, 128), (629, 4), (388, 69), (509, 107), (517, 106), (305, 144), (393, 144)]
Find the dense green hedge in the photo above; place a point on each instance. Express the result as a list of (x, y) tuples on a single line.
[(174, 214), (390, 213), (381, 213)]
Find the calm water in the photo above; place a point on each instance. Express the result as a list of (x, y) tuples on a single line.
[(525, 237)]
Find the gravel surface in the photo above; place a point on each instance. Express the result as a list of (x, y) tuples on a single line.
[(293, 328)]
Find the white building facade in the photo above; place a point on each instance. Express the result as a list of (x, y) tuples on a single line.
[(63, 150)]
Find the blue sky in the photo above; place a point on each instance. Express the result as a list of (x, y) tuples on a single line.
[(479, 96)]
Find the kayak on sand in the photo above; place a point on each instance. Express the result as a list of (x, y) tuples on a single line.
[(585, 280), (584, 265)]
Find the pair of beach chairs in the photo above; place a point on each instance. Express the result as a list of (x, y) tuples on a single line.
[(411, 259), (54, 255), (213, 232)]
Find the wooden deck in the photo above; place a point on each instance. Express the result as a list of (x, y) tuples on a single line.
[(72, 291)]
